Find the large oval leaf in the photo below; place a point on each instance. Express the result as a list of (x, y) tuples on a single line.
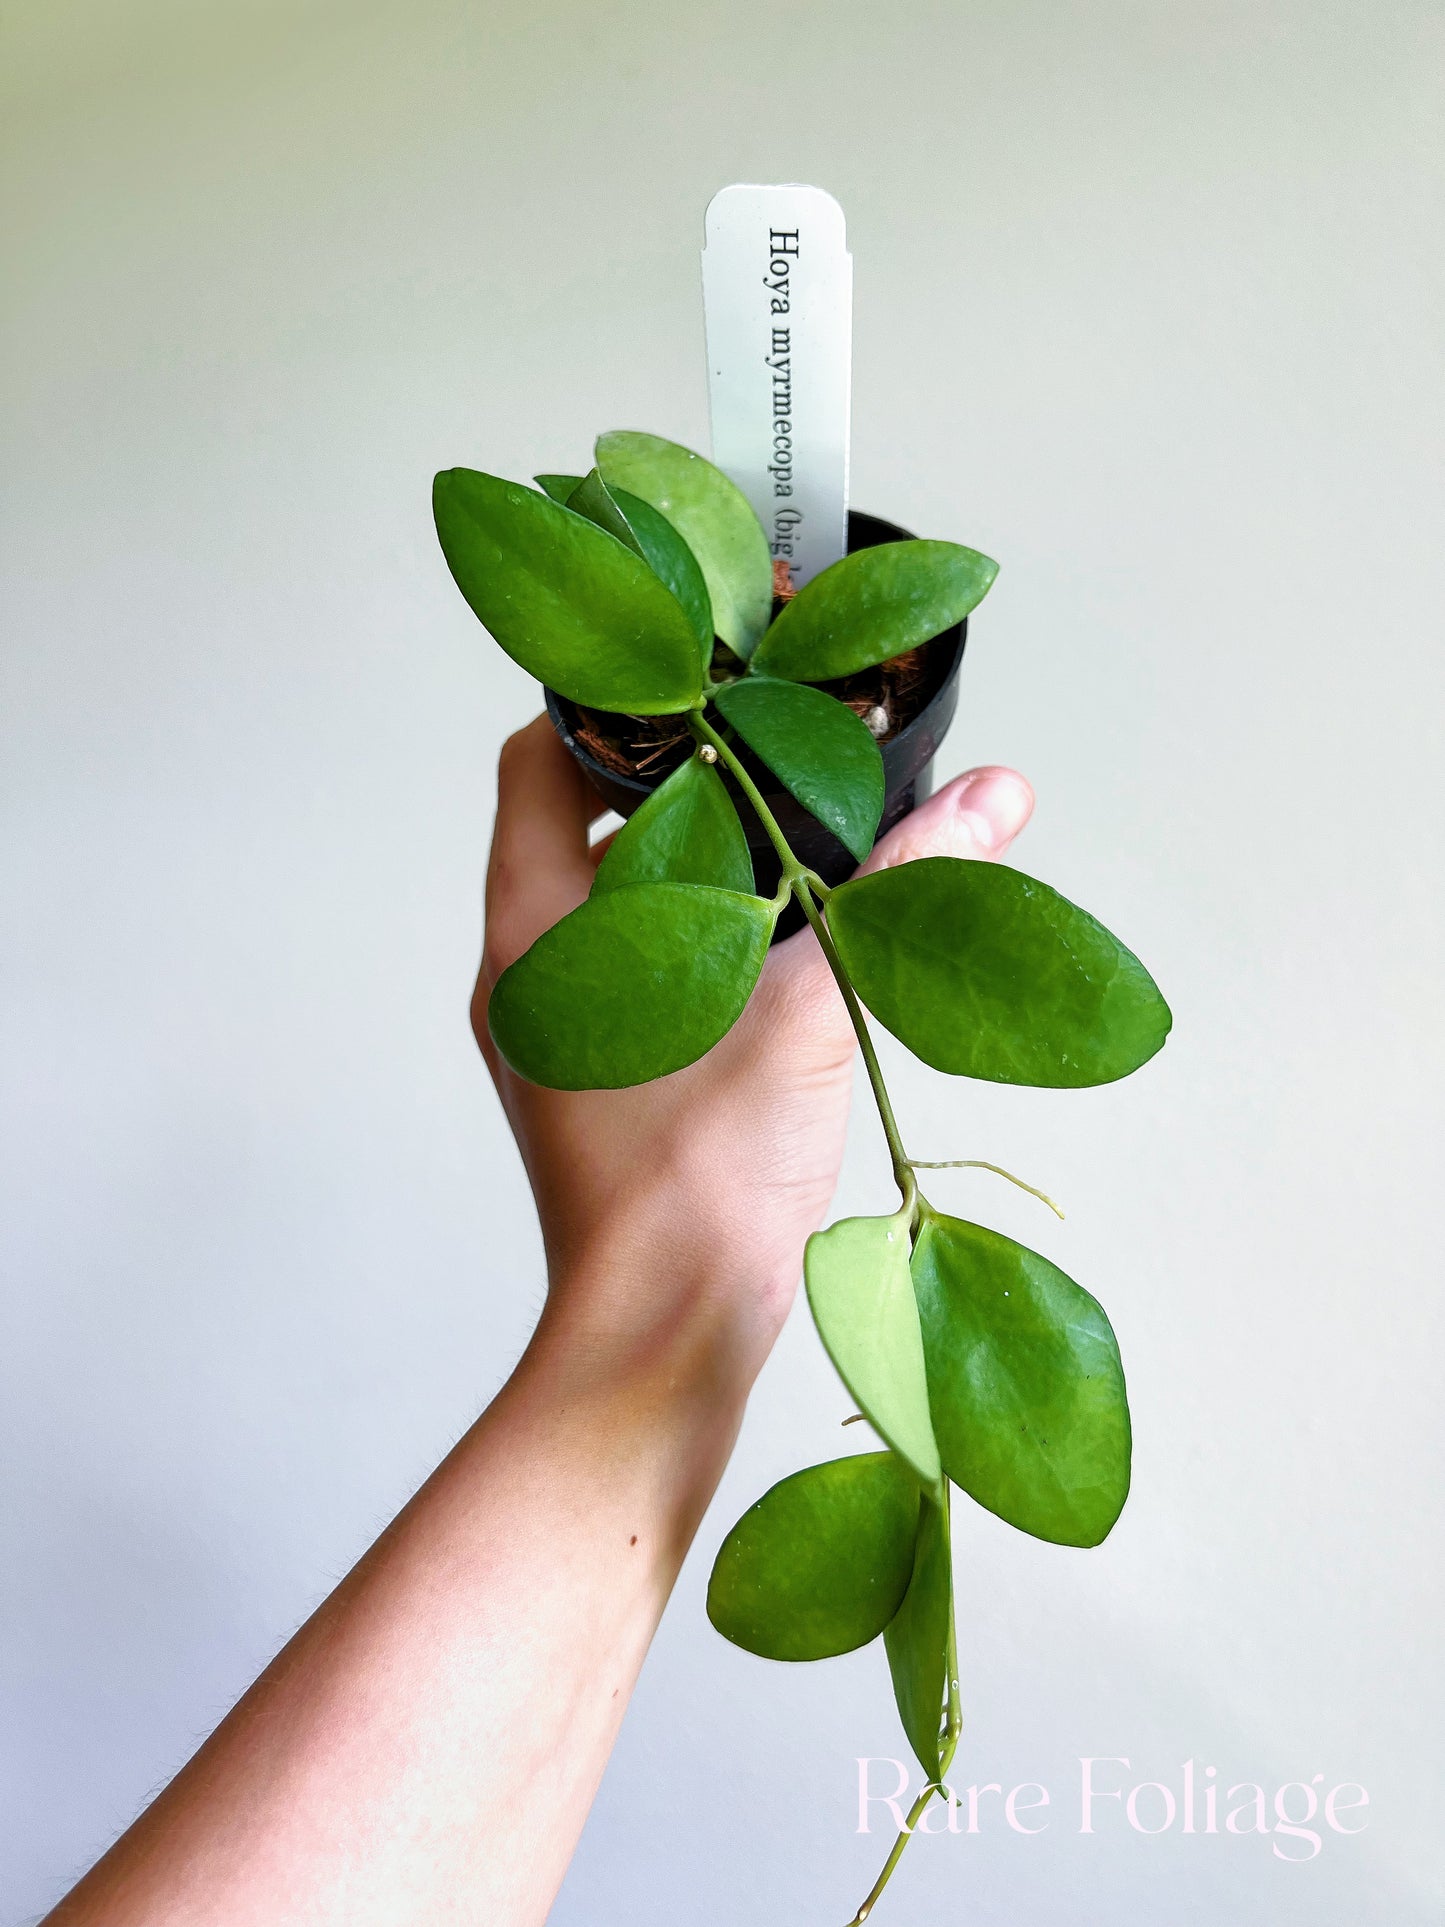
[(567, 601), (861, 1296), (871, 606), (821, 1563), (817, 748), (714, 519), (1025, 1383), (635, 983), (686, 832), (987, 973), (917, 1638)]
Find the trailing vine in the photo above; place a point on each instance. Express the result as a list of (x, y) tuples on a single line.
[(977, 1362)]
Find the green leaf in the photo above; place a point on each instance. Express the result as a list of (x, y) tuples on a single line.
[(821, 1563), (635, 983), (917, 1639), (564, 599), (673, 562), (593, 498), (650, 535), (985, 972), (817, 748), (712, 516), (1025, 1383), (872, 606), (861, 1295), (558, 487), (686, 832)]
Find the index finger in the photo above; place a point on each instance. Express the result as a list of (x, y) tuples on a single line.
[(539, 868)]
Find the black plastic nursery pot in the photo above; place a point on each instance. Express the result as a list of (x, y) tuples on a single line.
[(907, 756)]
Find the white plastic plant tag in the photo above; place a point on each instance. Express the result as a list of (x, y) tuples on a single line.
[(777, 283)]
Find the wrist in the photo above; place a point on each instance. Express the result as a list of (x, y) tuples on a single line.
[(650, 1394), (654, 1298)]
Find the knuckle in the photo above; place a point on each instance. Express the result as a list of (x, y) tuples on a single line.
[(511, 754)]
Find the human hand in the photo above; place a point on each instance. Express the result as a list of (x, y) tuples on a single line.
[(694, 1194)]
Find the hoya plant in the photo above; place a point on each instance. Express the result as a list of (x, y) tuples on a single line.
[(645, 588)]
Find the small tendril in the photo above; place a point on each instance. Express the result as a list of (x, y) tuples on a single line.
[(981, 1164)]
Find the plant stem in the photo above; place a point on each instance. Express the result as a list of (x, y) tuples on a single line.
[(801, 883), (705, 733), (953, 1726), (915, 1813), (902, 1169)]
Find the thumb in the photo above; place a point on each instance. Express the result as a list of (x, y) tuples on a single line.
[(977, 815)]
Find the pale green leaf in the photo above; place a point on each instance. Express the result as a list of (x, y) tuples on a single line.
[(861, 1296)]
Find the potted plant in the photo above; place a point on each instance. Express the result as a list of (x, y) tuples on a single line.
[(729, 722)]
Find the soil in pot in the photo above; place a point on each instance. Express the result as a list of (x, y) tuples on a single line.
[(886, 698)]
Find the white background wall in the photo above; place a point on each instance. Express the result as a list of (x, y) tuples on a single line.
[(1147, 307)]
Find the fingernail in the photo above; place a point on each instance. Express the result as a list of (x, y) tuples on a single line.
[(994, 804)]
